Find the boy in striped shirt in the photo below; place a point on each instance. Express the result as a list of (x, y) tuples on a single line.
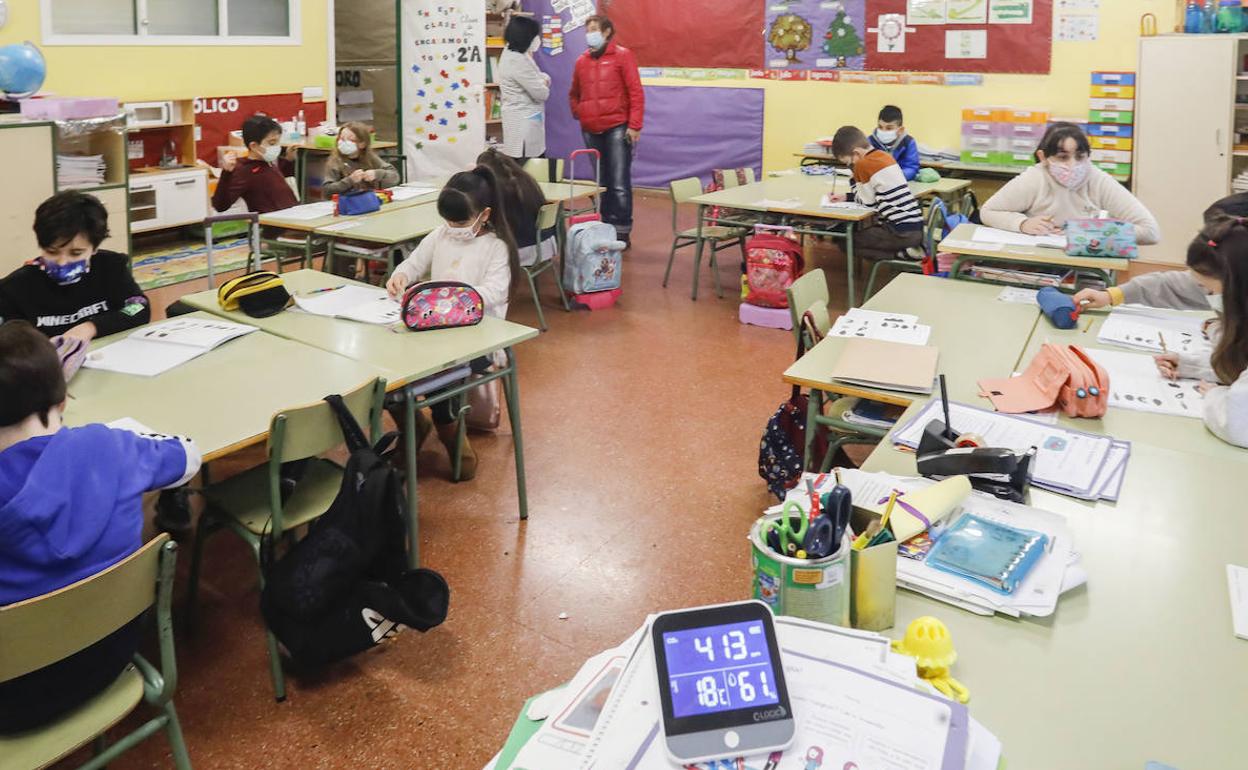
[(877, 181)]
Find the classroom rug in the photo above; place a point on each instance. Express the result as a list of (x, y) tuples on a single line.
[(187, 261)]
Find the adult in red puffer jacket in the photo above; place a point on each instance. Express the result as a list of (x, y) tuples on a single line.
[(608, 100)]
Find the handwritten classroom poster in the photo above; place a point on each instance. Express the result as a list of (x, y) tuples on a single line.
[(816, 34), (442, 66)]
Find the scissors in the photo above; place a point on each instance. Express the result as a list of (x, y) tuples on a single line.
[(826, 531), (781, 533)]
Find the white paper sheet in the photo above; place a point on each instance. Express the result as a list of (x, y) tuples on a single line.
[(925, 12), (157, 348), (338, 227), (966, 44), (365, 304), (892, 327), (202, 333), (787, 203), (306, 211), (1135, 383), (404, 193), (985, 234), (1017, 295), (1144, 329)]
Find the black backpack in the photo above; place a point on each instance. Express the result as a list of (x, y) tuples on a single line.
[(345, 586)]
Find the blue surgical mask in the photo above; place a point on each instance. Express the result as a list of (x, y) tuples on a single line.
[(67, 273), (595, 40)]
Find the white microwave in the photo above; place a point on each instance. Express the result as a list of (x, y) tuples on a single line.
[(144, 114)]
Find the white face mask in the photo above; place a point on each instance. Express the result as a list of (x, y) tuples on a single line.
[(347, 147), (464, 234), (271, 152), (885, 137), (536, 44), (1215, 302), (595, 40)]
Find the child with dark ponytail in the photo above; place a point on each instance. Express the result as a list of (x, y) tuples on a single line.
[(1218, 258), (474, 246)]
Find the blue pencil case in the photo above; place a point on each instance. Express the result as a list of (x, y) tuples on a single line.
[(987, 552)]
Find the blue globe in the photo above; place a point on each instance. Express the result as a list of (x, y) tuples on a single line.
[(22, 70)]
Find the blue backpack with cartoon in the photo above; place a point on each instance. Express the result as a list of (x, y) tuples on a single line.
[(594, 258)]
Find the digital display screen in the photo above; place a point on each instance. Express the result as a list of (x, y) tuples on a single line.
[(719, 668)]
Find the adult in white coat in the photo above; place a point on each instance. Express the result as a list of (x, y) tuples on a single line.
[(524, 90)]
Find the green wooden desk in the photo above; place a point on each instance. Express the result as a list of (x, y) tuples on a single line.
[(1183, 434), (223, 399), (402, 358), (1102, 267), (1140, 663), (797, 199), (979, 169), (275, 219)]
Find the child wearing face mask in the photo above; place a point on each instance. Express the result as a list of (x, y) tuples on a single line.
[(353, 166), (475, 246), (1064, 185), (259, 178), (1218, 258), (74, 288), (891, 136), (876, 181)]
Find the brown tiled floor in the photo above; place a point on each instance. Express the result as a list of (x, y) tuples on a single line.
[(641, 431), (642, 425)]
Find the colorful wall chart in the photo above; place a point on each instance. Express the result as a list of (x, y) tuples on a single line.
[(442, 65), (816, 34)]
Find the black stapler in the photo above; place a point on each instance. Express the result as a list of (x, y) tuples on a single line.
[(942, 452)]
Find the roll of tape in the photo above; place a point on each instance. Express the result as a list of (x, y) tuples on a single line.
[(970, 440)]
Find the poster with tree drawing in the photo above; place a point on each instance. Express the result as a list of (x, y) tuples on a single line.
[(816, 34)]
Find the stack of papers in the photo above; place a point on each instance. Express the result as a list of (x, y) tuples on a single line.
[(1135, 383), (934, 155), (848, 206), (366, 304), (1086, 466), (992, 235), (874, 325), (1240, 182), (80, 171), (821, 146), (1141, 328), (850, 693), (1057, 571), (306, 211), (406, 192), (876, 363), (157, 348)]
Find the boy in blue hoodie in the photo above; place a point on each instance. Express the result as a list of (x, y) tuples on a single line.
[(70, 506), (891, 137)]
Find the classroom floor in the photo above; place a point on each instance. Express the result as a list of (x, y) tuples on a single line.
[(641, 428)]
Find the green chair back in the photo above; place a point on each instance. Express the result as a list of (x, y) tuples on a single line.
[(539, 169), (809, 293), (35, 633), (683, 190), (749, 175), (547, 217), (933, 229), (311, 430), (730, 178)]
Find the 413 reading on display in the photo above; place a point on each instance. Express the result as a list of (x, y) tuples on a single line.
[(719, 668)]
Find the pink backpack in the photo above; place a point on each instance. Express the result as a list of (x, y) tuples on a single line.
[(773, 261), (442, 305)]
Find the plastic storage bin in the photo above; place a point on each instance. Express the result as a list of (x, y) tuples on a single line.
[(1110, 129), (1011, 115), (980, 128), (991, 114), (1113, 105), (1106, 116), (986, 157), (1110, 143), (1029, 131), (981, 143), (1111, 156), (1116, 169), (1113, 78)]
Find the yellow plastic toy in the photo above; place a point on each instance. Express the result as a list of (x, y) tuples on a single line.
[(928, 642)]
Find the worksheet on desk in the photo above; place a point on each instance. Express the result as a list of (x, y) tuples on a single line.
[(985, 234), (366, 304), (1142, 329), (1135, 383), (872, 324)]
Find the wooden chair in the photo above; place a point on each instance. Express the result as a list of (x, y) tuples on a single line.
[(720, 237), (547, 219), (250, 504), (45, 629)]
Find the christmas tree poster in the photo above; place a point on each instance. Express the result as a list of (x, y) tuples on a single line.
[(816, 34)]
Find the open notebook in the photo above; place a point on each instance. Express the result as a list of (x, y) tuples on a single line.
[(366, 304), (157, 348), (887, 365)]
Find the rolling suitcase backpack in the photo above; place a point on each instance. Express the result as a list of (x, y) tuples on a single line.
[(773, 261), (593, 254)]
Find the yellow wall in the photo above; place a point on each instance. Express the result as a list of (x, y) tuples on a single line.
[(797, 112), (135, 73)]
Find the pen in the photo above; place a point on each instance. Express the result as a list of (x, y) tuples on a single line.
[(1162, 339), (322, 291)]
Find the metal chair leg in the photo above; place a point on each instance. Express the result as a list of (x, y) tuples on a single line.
[(537, 302), (671, 257)]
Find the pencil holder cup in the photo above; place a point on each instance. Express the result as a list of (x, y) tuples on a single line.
[(814, 589), (874, 580)]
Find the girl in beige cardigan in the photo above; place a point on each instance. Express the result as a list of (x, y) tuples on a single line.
[(1065, 185)]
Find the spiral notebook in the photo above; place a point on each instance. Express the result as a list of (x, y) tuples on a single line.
[(988, 552)]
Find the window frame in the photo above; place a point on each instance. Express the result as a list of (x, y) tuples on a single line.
[(142, 38)]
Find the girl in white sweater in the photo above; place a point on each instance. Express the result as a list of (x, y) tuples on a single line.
[(1065, 185), (1221, 250), (476, 247)]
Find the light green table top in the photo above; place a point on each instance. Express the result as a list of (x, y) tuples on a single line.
[(799, 195), (556, 192), (977, 335), (974, 168), (1141, 662), (387, 227), (401, 357), (942, 187), (223, 399), (1040, 255), (1184, 434)]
